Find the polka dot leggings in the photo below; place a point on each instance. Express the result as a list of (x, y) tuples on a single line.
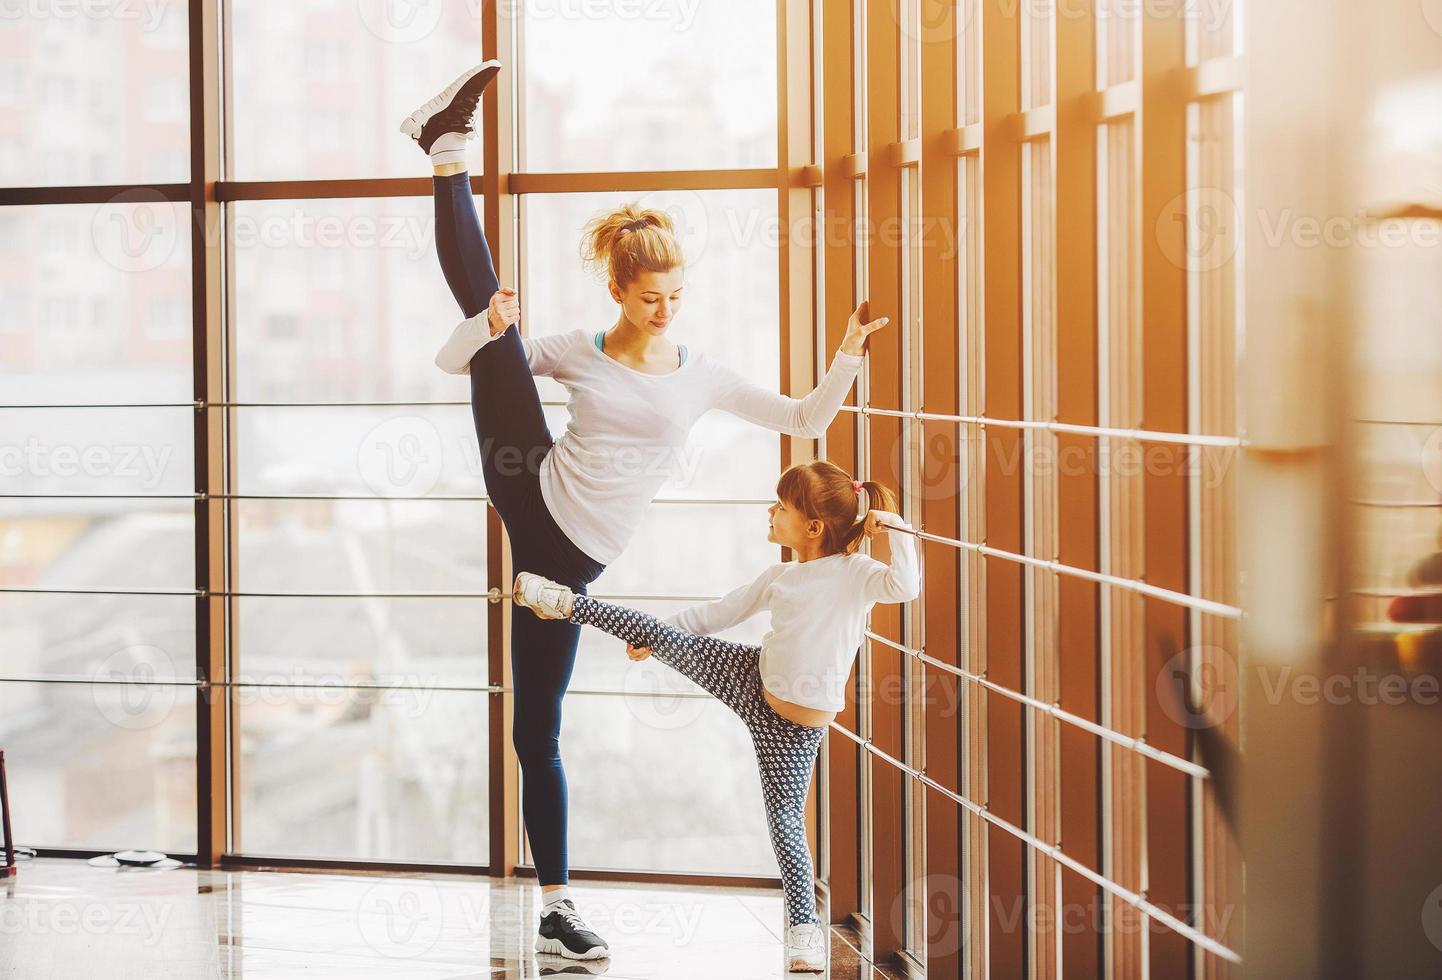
[(785, 751)]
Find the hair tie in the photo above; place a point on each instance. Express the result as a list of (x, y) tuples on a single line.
[(636, 225)]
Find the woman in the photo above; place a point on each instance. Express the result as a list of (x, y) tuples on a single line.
[(570, 505)]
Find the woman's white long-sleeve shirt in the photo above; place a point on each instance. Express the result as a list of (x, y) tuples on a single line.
[(818, 616), (628, 429)]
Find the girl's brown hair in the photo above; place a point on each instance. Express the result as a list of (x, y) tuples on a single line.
[(824, 492), (628, 240)]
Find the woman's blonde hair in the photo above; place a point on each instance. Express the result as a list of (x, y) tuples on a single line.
[(824, 492), (628, 240)]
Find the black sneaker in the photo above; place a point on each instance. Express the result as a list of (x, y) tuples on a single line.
[(452, 111), (564, 933)]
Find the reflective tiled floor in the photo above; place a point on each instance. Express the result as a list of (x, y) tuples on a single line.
[(65, 919)]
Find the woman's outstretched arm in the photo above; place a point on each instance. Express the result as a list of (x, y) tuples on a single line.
[(809, 416)]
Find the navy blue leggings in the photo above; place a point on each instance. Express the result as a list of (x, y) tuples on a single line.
[(513, 437)]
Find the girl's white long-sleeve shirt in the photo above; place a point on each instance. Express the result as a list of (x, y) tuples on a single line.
[(628, 429), (818, 616)]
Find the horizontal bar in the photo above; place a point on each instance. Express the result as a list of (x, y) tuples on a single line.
[(1398, 504), (300, 190), (1214, 77), (1418, 422), (1118, 101), (853, 165), (494, 595), (1036, 124), (1397, 592), (906, 153), (1056, 711), (1219, 609), (1101, 432), (1054, 852), (709, 501), (246, 685), (1410, 212), (687, 878), (963, 142), (810, 175), (643, 180), (94, 194)]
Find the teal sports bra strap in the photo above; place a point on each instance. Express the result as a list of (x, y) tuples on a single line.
[(601, 345)]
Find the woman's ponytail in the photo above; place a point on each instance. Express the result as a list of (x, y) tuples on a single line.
[(624, 242)]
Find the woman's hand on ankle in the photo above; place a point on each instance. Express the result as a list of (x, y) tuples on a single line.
[(504, 311), (637, 653)]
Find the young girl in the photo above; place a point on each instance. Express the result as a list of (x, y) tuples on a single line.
[(788, 689), (571, 504)]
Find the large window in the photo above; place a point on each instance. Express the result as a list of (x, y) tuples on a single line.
[(350, 668)]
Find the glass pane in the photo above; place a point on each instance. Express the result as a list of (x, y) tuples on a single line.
[(361, 546), (320, 88), (696, 88), (361, 641), (97, 544), (728, 237), (95, 302), (81, 636), (341, 300), (692, 550), (96, 450), (94, 93), (397, 775), (386, 452), (689, 769), (100, 766)]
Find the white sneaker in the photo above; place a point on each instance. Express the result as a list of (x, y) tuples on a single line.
[(806, 948), (547, 599), (442, 125)]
